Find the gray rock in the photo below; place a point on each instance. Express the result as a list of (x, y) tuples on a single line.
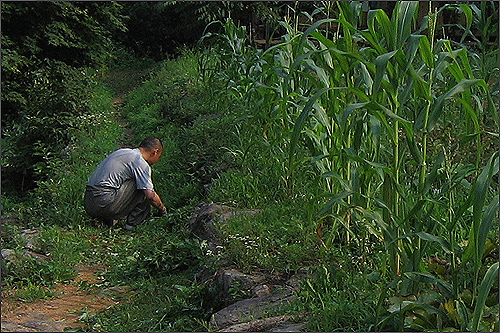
[(288, 327), (228, 279), (267, 295), (31, 236), (203, 223), (39, 323), (261, 290), (8, 254), (295, 281), (251, 309), (259, 325), (13, 327), (12, 256)]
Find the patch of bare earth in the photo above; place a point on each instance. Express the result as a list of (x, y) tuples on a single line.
[(81, 296), (124, 82), (63, 312)]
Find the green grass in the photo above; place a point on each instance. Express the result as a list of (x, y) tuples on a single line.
[(167, 305), (63, 251), (158, 261), (32, 292), (278, 237), (337, 299), (321, 169)]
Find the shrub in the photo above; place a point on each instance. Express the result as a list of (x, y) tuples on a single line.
[(45, 81)]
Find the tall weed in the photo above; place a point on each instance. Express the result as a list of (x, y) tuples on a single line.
[(59, 199), (369, 116), (178, 107)]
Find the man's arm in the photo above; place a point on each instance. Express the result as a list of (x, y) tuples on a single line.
[(154, 198)]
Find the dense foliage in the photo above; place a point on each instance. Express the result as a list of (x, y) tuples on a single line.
[(46, 50), (374, 111), (157, 29)]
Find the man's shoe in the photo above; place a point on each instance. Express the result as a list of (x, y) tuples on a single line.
[(128, 227), (110, 222)]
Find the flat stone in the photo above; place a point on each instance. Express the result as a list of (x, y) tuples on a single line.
[(261, 290), (13, 327), (202, 223), (207, 215), (31, 236), (45, 326), (231, 277), (288, 327), (259, 325), (251, 309), (8, 254)]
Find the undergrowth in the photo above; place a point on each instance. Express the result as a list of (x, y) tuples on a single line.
[(216, 150)]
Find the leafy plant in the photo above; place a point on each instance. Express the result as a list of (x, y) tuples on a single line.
[(32, 292), (369, 116), (46, 82), (30, 273)]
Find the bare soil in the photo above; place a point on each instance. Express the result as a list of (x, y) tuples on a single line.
[(83, 296), (63, 312)]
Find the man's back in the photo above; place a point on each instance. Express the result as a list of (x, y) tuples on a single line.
[(120, 166)]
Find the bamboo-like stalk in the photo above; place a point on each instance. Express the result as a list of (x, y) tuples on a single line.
[(318, 93), (451, 229), (432, 28)]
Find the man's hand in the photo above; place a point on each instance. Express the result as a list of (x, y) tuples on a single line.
[(155, 200), (160, 213)]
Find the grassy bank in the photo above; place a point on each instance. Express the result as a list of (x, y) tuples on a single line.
[(320, 138), (159, 254), (204, 159), (213, 154)]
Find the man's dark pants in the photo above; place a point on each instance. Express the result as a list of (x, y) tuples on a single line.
[(107, 203)]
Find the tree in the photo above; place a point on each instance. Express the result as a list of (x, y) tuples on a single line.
[(45, 47), (156, 29)]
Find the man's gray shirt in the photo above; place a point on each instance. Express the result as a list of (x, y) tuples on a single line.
[(120, 166)]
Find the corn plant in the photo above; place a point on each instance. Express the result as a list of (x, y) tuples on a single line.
[(365, 107)]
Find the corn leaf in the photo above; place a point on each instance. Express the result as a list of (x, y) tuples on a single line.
[(489, 216), (464, 57), (314, 27), (425, 51), (386, 27), (445, 245), (375, 130), (405, 10), (432, 175), (437, 108), (410, 51), (375, 216), (327, 208), (301, 120), (468, 15), (381, 67), (484, 289), (371, 38), (445, 287), (478, 197), (413, 308), (410, 140), (348, 110)]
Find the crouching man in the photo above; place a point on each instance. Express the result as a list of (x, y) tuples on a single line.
[(121, 185)]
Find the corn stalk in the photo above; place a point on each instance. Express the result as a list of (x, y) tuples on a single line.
[(365, 116)]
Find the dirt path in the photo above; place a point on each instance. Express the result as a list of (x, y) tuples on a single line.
[(82, 297), (65, 310)]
